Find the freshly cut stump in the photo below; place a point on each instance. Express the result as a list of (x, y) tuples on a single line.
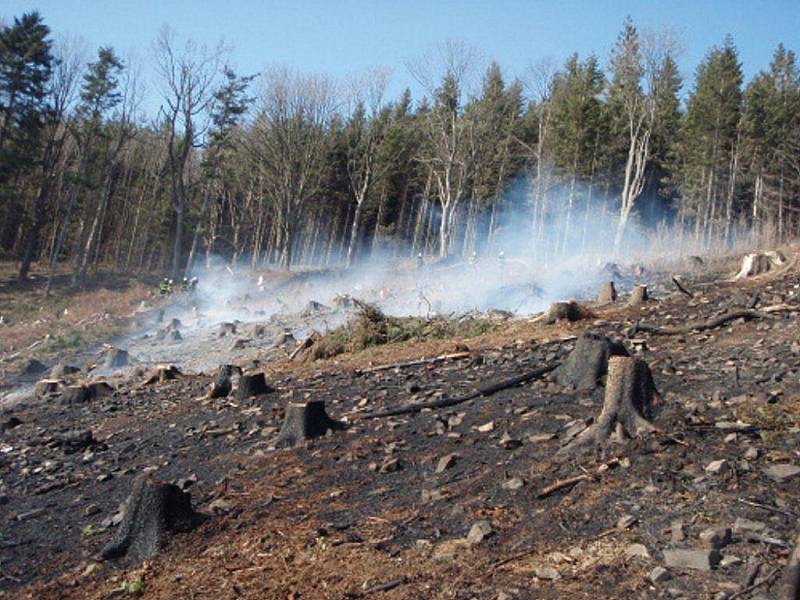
[(588, 362), (223, 384), (251, 385), (152, 509), (627, 407), (607, 293), (305, 421), (639, 296), (757, 264), (116, 357)]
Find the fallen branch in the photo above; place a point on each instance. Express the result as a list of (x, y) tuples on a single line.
[(768, 507), (383, 587), (414, 363), (743, 592), (681, 287), (712, 323), (560, 484), (484, 390)]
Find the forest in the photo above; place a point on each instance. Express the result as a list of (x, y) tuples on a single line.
[(285, 169)]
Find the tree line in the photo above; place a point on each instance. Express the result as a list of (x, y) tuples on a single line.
[(286, 168)]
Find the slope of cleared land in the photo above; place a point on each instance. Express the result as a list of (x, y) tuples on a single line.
[(389, 507)]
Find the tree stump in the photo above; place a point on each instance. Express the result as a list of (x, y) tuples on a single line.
[(251, 385), (790, 586), (607, 293), (33, 367), (569, 311), (163, 373), (75, 394), (174, 325), (305, 421), (638, 296), (47, 387), (173, 335), (116, 357), (152, 509), (223, 384), (694, 263), (627, 407), (758, 264), (62, 370), (227, 328), (588, 362)]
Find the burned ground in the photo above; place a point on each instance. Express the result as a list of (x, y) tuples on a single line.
[(395, 507)]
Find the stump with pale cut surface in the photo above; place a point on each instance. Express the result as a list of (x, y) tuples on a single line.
[(304, 421), (607, 293), (639, 295), (628, 406)]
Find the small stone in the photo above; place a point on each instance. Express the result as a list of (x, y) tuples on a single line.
[(782, 472), (513, 484), (752, 453), (659, 575), (547, 573), (717, 467), (701, 560), (730, 438), (676, 531), (391, 466), (486, 427), (637, 551), (716, 537), (446, 462), (448, 549), (509, 443), (478, 532), (220, 506), (730, 560), (626, 522), (90, 510)]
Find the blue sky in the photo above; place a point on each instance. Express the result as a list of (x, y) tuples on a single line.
[(338, 37)]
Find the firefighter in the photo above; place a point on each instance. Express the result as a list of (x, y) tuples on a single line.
[(185, 284), (501, 258), (420, 262), (164, 288), (473, 259)]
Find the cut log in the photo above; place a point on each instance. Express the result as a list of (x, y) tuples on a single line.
[(223, 384), (152, 509), (586, 365), (607, 293), (305, 421), (254, 384), (627, 408), (115, 358), (681, 288), (638, 296)]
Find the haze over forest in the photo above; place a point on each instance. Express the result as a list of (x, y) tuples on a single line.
[(287, 168)]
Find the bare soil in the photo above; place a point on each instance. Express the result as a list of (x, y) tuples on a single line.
[(368, 513)]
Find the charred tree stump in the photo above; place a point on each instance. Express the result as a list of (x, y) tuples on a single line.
[(223, 384), (116, 357), (607, 293), (63, 370), (305, 421), (48, 387), (75, 394), (251, 385), (627, 408), (152, 509), (639, 296), (227, 328), (163, 373), (588, 362)]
